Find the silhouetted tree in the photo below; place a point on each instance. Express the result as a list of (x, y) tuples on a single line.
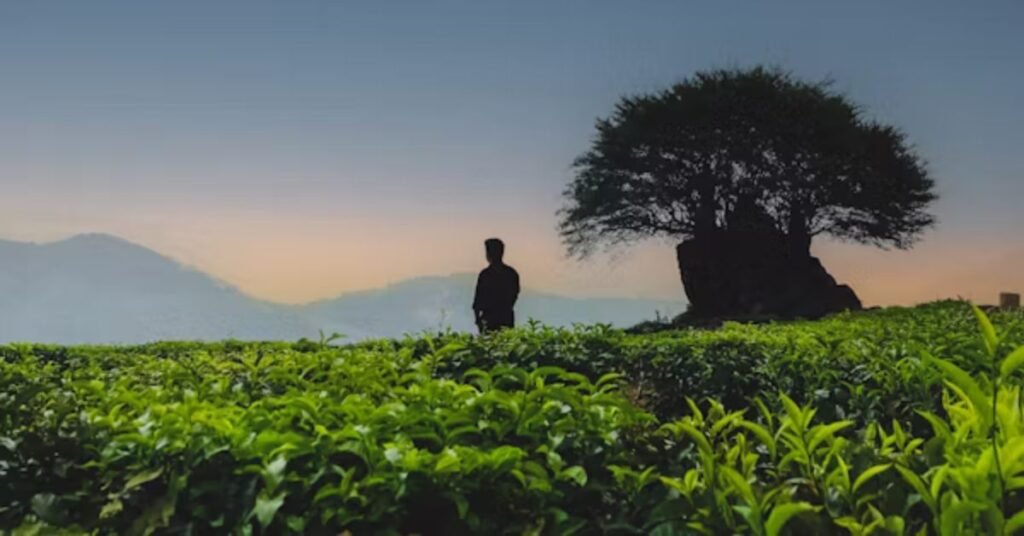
[(738, 148)]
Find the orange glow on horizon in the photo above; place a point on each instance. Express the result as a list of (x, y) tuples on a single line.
[(296, 258)]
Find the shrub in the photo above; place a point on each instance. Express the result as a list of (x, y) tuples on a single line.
[(533, 431)]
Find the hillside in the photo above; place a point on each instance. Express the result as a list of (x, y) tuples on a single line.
[(880, 419), (98, 288)]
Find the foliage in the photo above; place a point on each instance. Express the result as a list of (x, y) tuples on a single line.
[(729, 149), (863, 366), (902, 421)]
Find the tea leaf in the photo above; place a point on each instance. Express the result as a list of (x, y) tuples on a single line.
[(143, 477), (266, 508), (1012, 362), (760, 432), (868, 474), (918, 485), (1015, 523), (782, 513), (964, 381), (988, 332)]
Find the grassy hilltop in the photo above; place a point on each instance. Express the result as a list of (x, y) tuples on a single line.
[(897, 421)]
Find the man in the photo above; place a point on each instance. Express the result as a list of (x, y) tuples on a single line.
[(497, 288)]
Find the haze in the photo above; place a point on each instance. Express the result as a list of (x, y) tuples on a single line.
[(303, 149)]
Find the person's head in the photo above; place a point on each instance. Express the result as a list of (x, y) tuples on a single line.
[(495, 250)]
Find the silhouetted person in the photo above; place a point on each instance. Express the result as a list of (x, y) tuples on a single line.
[(497, 288)]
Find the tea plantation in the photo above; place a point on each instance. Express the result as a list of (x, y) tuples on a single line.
[(897, 421)]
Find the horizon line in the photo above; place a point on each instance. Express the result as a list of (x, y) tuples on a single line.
[(347, 293)]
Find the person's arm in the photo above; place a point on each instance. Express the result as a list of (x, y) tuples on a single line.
[(477, 301), (515, 286)]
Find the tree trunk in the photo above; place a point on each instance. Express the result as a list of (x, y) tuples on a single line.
[(745, 273), (798, 234)]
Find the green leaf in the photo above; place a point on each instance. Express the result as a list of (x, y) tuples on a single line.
[(964, 381), (8, 443), (851, 524), (695, 409), (958, 513), (273, 474), (447, 462), (740, 483), (156, 515), (761, 433), (725, 422), (677, 484), (111, 509), (576, 474), (939, 426), (46, 506), (895, 524), (1012, 362), (143, 477), (696, 435), (505, 457), (1015, 523), (612, 378), (868, 474), (915, 482), (988, 332), (461, 504), (266, 508), (937, 479), (795, 413), (826, 431), (783, 513), (297, 524)]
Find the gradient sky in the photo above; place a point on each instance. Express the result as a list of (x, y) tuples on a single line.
[(300, 149)]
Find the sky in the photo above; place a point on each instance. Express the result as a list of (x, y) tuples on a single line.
[(302, 149)]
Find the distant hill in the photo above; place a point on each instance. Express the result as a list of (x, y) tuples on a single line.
[(436, 301), (101, 289)]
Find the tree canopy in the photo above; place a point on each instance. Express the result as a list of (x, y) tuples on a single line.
[(731, 148)]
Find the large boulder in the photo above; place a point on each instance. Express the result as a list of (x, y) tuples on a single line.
[(754, 273)]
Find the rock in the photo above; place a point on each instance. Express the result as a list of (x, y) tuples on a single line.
[(743, 273)]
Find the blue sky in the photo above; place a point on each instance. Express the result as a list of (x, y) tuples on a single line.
[(300, 149)]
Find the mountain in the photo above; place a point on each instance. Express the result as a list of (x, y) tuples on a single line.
[(102, 289), (99, 288)]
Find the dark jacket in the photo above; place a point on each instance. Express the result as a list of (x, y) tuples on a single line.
[(497, 289)]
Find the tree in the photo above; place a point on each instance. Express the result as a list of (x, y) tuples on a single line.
[(726, 149)]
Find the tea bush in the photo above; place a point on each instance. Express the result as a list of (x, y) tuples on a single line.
[(861, 366), (900, 421)]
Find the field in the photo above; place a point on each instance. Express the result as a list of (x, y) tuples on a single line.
[(897, 421)]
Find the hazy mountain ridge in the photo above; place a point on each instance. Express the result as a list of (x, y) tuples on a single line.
[(102, 289), (99, 288)]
